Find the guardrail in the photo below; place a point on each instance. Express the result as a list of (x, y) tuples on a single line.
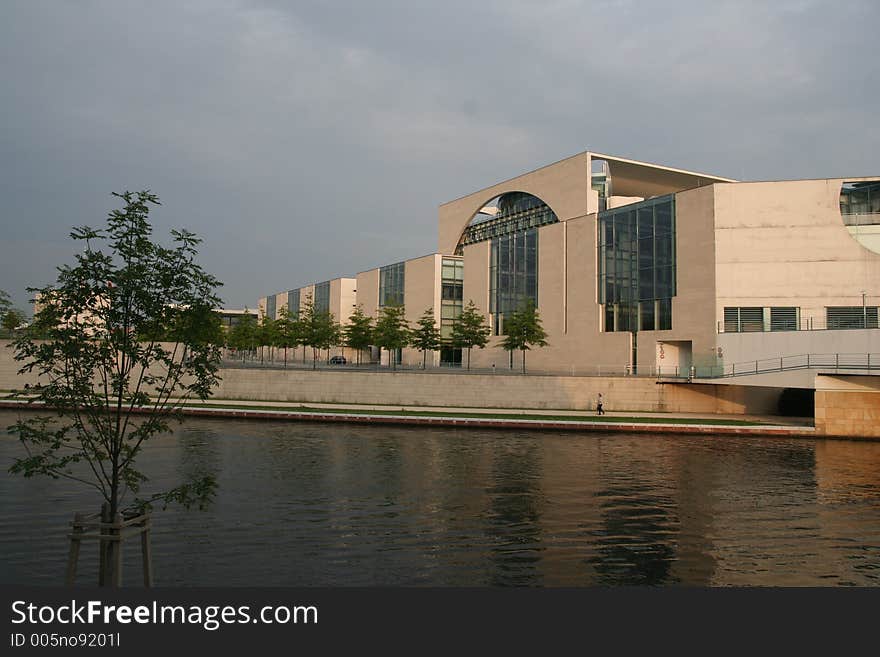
[(837, 362)]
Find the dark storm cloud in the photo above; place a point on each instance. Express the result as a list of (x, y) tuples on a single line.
[(309, 140)]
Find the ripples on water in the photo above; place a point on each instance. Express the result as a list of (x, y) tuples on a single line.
[(306, 504)]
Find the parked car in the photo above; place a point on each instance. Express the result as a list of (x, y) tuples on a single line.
[(338, 360)]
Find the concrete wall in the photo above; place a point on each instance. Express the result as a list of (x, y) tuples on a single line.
[(563, 186), (343, 298), (491, 391), (466, 390), (785, 244), (848, 406), (744, 347)]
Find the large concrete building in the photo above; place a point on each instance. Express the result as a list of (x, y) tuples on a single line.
[(640, 268)]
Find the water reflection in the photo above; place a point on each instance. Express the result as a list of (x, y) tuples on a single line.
[(302, 504)]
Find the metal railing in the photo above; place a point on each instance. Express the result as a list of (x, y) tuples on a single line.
[(837, 362)]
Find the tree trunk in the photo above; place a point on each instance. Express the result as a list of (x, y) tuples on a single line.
[(524, 361), (285, 357), (424, 358), (314, 358), (469, 359)]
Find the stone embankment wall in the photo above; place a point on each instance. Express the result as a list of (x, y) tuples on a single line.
[(492, 391), (848, 406), (407, 388)]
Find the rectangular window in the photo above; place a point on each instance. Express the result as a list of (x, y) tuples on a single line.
[(851, 317), (293, 302), (636, 264), (322, 297), (751, 319), (784, 318), (270, 306), (731, 320), (513, 274), (391, 284)]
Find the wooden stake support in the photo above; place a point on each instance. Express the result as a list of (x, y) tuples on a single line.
[(110, 534)]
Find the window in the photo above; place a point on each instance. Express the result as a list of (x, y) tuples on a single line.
[(293, 302), (636, 263), (391, 283), (512, 212), (322, 297), (753, 319), (784, 318), (270, 306), (513, 274), (851, 317), (452, 289)]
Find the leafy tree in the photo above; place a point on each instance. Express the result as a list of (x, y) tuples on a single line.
[(5, 302), (426, 336), (358, 333), (266, 334), (392, 331), (523, 330), (288, 331), (12, 319), (469, 330), (319, 329), (243, 336), (109, 392)]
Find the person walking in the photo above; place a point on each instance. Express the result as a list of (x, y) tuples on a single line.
[(599, 409)]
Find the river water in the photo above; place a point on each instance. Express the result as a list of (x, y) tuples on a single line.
[(346, 505)]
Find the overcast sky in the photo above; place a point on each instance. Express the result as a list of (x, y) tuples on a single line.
[(309, 140)]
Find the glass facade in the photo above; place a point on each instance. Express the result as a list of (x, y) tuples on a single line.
[(322, 297), (860, 203), (513, 274), (270, 306), (515, 212), (391, 282), (293, 302), (451, 299), (636, 263)]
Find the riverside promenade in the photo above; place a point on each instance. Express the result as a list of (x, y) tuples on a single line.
[(495, 418)]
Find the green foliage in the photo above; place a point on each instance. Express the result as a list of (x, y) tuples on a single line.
[(524, 330), (392, 331), (288, 331), (319, 329), (11, 320), (104, 366), (470, 330), (243, 336), (5, 302), (426, 336), (358, 333)]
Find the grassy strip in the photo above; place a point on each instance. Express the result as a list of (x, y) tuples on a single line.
[(487, 416)]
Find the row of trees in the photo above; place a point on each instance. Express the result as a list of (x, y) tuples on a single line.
[(391, 331), (10, 318)]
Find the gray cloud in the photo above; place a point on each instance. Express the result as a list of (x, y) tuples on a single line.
[(308, 140)]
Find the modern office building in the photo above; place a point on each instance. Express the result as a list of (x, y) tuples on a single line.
[(636, 267)]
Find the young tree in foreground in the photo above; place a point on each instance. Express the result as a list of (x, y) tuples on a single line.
[(392, 331), (11, 320), (267, 335), (106, 369), (426, 336), (243, 335), (358, 333), (319, 329), (470, 330), (288, 331), (523, 330)]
